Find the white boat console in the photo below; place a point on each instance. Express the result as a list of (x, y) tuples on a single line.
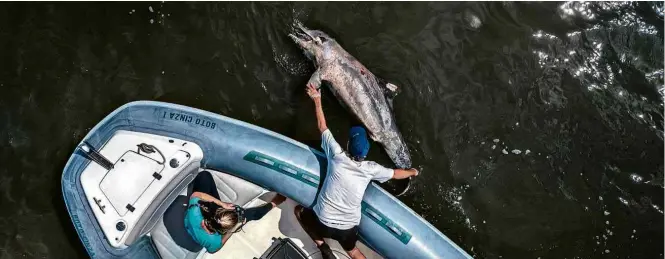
[(148, 172)]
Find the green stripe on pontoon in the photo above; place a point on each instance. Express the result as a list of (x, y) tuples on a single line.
[(386, 223), (282, 167)]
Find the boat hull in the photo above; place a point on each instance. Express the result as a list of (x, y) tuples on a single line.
[(257, 155)]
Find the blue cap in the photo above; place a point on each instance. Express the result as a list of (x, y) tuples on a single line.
[(358, 142)]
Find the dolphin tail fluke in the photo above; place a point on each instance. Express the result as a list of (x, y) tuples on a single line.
[(402, 186)]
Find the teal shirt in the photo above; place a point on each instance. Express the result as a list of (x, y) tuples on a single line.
[(193, 218)]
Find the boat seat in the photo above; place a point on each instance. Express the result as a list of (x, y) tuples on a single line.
[(235, 190), (170, 237)]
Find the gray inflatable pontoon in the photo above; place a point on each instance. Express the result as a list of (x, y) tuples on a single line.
[(122, 208)]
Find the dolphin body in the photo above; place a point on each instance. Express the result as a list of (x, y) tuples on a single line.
[(368, 97)]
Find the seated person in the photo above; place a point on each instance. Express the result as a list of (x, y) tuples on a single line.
[(210, 222)]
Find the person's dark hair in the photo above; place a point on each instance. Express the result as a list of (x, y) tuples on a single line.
[(217, 218)]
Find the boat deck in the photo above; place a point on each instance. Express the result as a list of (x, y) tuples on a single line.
[(257, 236)]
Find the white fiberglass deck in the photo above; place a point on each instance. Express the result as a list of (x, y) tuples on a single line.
[(279, 222)]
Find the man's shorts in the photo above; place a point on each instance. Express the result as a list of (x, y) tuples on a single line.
[(346, 237)]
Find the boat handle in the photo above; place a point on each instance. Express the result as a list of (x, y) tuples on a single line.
[(94, 155), (392, 227), (395, 230), (374, 215)]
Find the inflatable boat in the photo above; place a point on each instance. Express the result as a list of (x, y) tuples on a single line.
[(126, 185)]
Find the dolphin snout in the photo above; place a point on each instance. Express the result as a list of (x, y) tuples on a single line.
[(294, 37), (301, 33), (301, 39), (301, 36), (302, 27)]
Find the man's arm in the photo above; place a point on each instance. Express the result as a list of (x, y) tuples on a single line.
[(328, 143), (315, 94), (208, 197), (404, 173)]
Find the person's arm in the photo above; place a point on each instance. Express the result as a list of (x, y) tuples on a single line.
[(226, 237), (315, 94), (328, 142), (404, 173), (209, 198)]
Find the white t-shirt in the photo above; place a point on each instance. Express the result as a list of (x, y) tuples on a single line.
[(338, 204)]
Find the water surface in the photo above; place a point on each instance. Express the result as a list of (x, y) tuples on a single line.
[(538, 126)]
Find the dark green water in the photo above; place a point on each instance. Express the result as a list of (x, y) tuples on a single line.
[(577, 89)]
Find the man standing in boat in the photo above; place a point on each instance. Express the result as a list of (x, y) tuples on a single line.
[(337, 211)]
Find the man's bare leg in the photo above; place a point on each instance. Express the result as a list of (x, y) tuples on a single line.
[(326, 252), (277, 200), (317, 239), (355, 253)]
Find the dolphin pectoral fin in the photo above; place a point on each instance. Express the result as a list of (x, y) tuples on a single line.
[(315, 80), (392, 88), (389, 89)]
